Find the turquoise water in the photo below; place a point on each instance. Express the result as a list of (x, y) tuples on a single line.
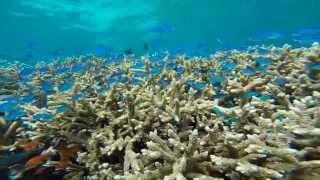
[(43, 29), (126, 89)]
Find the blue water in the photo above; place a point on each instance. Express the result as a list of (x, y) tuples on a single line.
[(42, 29)]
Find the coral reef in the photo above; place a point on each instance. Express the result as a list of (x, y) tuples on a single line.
[(233, 115)]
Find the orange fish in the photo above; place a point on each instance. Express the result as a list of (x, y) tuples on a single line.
[(30, 146), (66, 154), (37, 160)]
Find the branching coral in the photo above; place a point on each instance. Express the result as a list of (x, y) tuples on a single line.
[(172, 126)]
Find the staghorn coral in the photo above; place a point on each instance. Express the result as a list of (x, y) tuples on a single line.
[(179, 131)]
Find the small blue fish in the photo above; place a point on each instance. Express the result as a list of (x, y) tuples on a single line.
[(262, 68), (268, 35), (100, 50), (250, 94), (43, 116), (164, 83), (117, 74), (62, 108), (219, 95), (101, 90), (249, 71), (26, 71), (135, 81), (57, 52), (66, 86), (62, 70), (265, 97), (171, 66), (180, 69), (8, 106), (218, 112), (46, 86), (14, 115), (155, 70), (124, 79), (280, 118), (138, 65), (111, 81), (229, 66), (280, 82), (78, 68), (77, 96), (216, 79), (140, 74), (264, 61), (27, 99), (163, 28), (315, 66), (199, 85)]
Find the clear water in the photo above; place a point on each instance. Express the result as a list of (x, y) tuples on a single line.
[(42, 29)]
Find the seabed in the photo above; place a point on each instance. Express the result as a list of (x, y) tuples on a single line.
[(251, 114)]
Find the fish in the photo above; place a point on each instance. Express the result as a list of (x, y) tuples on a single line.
[(218, 111), (268, 35), (78, 68), (14, 115), (249, 95), (139, 74), (66, 155), (280, 81), (43, 116), (216, 79), (265, 97), (249, 71), (228, 66), (100, 50), (138, 65), (261, 61), (180, 69), (66, 86), (145, 46), (314, 66), (62, 108), (14, 158), (46, 86), (8, 106), (39, 159), (26, 71), (77, 96), (57, 52), (163, 28), (155, 70), (29, 146), (128, 52)]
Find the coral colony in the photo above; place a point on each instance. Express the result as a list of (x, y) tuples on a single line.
[(251, 114)]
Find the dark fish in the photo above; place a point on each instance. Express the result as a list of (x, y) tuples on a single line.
[(57, 52), (100, 50), (128, 52), (163, 28), (11, 159), (145, 46)]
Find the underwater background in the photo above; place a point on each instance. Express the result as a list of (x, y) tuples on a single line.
[(36, 29), (159, 89)]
